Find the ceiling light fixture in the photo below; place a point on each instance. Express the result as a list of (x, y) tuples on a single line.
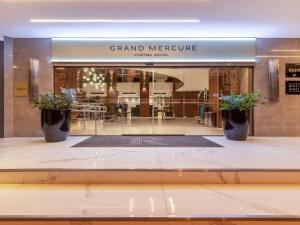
[(278, 56), (154, 39), (84, 60), (114, 20), (285, 50)]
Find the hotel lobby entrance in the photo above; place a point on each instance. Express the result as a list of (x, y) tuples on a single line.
[(150, 101)]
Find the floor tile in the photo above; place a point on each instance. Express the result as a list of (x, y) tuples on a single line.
[(255, 153), (82, 201), (232, 201)]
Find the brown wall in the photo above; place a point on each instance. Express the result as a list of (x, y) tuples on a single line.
[(8, 87), (186, 103), (27, 120), (144, 95), (1, 89), (223, 81), (65, 77), (282, 118), (112, 95)]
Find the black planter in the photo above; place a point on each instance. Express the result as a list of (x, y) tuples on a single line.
[(236, 124), (55, 124)]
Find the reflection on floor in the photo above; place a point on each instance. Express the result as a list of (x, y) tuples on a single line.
[(53, 183), (156, 201), (256, 153), (184, 126)]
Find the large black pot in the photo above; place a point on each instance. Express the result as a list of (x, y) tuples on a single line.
[(236, 124), (55, 124)]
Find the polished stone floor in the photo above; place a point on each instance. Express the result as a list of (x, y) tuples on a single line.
[(191, 201), (94, 189), (255, 153)]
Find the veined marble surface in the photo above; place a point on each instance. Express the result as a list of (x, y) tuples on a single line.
[(256, 153), (194, 201)]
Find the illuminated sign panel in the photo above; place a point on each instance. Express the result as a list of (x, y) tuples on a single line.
[(153, 50), (292, 88), (292, 70)]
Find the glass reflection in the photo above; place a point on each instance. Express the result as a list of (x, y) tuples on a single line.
[(120, 100)]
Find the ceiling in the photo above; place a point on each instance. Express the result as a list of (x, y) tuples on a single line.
[(218, 18)]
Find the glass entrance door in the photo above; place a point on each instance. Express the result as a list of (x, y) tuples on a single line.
[(168, 101), (134, 101), (150, 101), (186, 100)]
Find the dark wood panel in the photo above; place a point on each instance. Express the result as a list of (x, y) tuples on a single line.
[(112, 94), (59, 79), (71, 78), (223, 81), (65, 78), (186, 103), (144, 94), (214, 89)]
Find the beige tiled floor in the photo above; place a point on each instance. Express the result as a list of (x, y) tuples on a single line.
[(232, 200), (256, 152), (82, 201), (149, 201)]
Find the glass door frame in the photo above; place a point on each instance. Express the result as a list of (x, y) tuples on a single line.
[(155, 66)]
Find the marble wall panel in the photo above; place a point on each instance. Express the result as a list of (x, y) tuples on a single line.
[(26, 119), (1, 89), (282, 118), (8, 87)]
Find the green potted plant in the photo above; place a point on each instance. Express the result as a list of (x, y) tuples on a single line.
[(55, 114), (236, 114)]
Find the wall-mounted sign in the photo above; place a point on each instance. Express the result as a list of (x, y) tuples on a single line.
[(292, 87), (212, 50), (21, 89), (292, 70)]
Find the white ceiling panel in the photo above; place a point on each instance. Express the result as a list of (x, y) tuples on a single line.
[(218, 18)]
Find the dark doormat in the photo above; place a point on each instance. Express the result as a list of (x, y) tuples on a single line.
[(147, 141)]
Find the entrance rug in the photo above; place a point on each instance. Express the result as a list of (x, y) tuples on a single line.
[(146, 141)]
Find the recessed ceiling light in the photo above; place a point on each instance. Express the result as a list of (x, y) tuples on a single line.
[(119, 1), (285, 50), (115, 21), (208, 60), (151, 39), (278, 56)]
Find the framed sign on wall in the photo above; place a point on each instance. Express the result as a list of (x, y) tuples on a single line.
[(292, 70), (21, 89), (153, 50), (292, 87)]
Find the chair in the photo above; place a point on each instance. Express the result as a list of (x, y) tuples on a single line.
[(202, 109)]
